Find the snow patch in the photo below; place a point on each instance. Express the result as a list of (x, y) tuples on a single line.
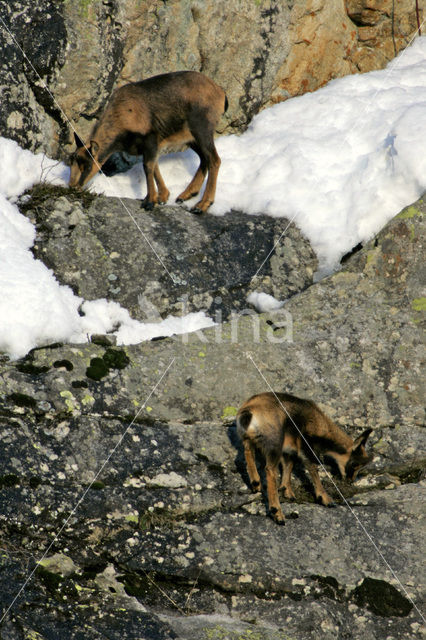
[(340, 163)]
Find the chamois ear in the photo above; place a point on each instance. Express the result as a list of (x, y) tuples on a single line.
[(362, 439), (94, 148), (78, 141)]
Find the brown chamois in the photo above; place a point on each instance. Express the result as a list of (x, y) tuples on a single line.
[(144, 117), (284, 427)]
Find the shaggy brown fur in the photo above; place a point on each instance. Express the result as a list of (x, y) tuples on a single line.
[(284, 427), (154, 114)]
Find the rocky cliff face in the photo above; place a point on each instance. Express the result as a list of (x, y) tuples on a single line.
[(124, 501), (61, 60), (173, 262), (124, 505)]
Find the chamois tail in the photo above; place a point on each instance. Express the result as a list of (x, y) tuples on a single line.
[(244, 418)]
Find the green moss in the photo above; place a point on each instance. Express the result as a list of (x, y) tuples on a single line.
[(409, 212), (419, 304), (84, 6), (229, 412), (222, 633), (97, 369), (30, 634), (371, 256), (31, 369), (112, 359), (42, 192), (116, 359), (97, 485), (379, 443), (70, 405), (87, 400), (70, 402), (132, 518)]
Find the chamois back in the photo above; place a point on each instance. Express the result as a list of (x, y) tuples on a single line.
[(157, 113)]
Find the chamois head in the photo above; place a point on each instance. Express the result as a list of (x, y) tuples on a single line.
[(358, 457), (84, 163)]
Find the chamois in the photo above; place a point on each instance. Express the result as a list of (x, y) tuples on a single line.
[(283, 428), (144, 117)]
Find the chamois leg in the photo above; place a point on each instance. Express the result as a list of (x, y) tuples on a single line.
[(197, 181), (163, 192), (204, 146), (287, 462), (251, 466), (150, 152), (273, 499), (210, 190), (320, 493)]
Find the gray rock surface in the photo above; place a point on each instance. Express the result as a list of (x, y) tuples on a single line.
[(124, 505), (124, 502), (169, 260), (111, 538), (351, 340)]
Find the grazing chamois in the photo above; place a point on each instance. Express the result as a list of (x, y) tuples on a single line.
[(283, 428), (144, 117)]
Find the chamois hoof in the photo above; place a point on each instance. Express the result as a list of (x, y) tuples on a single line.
[(148, 206), (277, 517), (326, 503), (197, 211), (255, 487), (288, 495), (186, 196)]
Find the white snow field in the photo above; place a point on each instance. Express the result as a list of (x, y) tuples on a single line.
[(339, 162)]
